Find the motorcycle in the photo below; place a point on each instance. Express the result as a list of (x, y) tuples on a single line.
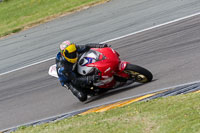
[(113, 72)]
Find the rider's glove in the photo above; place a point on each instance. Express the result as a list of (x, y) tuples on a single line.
[(96, 78), (93, 78), (60, 70)]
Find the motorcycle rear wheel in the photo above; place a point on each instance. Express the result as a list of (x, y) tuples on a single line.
[(138, 73)]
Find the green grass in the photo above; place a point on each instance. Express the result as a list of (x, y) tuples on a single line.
[(16, 15), (178, 114)]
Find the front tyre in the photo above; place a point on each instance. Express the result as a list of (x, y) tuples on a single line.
[(138, 73)]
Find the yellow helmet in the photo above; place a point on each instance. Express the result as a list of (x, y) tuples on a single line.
[(69, 51)]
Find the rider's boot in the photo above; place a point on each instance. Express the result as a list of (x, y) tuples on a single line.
[(78, 93)]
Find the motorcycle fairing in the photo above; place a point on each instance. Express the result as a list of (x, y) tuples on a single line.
[(87, 58), (105, 60), (108, 64), (122, 66)]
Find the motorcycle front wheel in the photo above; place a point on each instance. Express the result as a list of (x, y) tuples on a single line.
[(138, 73)]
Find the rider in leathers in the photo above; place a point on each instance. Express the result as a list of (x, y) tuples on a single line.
[(66, 61)]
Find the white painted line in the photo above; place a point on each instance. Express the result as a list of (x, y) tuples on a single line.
[(153, 27), (27, 66)]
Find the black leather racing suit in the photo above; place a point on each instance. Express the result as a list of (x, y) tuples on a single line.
[(68, 75)]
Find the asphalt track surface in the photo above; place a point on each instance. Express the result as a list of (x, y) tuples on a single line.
[(97, 24), (171, 52)]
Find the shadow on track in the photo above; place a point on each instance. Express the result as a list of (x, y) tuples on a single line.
[(116, 91), (112, 92)]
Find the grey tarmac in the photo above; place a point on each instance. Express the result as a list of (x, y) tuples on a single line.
[(110, 20), (171, 52)]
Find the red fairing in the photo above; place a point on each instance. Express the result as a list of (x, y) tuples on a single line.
[(122, 66), (109, 66)]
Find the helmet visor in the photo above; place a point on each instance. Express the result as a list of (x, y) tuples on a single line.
[(71, 57)]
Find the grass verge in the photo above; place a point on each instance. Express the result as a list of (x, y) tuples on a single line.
[(16, 15), (177, 114)]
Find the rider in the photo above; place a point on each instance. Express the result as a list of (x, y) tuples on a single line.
[(66, 61)]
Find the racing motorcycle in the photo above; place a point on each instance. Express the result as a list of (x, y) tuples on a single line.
[(113, 72)]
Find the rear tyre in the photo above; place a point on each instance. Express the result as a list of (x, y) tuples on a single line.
[(138, 73)]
